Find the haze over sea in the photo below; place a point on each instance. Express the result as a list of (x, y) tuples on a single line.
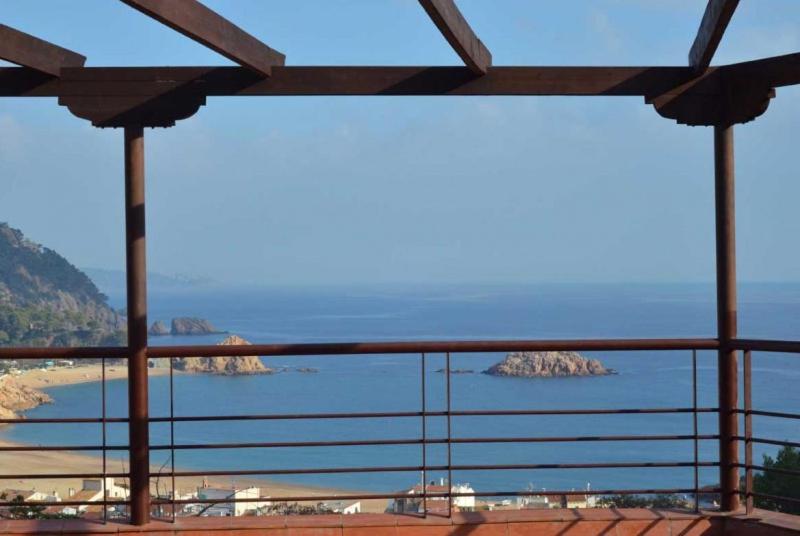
[(392, 383)]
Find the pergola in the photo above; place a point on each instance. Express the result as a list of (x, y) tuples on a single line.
[(134, 98)]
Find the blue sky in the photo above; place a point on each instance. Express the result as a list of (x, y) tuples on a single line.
[(378, 190)]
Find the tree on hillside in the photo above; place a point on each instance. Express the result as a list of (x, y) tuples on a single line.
[(779, 484)]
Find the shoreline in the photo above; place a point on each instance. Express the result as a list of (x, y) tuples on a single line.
[(61, 462), (57, 377)]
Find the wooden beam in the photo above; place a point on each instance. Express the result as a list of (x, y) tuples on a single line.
[(331, 81), (715, 20), (455, 28), (29, 51), (196, 21)]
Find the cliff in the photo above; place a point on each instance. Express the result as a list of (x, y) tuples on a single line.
[(46, 301), (15, 398), (547, 365), (192, 326), (227, 366)]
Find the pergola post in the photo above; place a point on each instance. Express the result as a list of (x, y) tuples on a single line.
[(726, 317), (136, 270)]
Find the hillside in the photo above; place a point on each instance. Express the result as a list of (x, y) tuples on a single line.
[(46, 301)]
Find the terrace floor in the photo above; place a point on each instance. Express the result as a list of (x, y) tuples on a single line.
[(554, 522)]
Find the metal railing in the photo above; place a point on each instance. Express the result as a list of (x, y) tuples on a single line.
[(421, 349), (749, 346)]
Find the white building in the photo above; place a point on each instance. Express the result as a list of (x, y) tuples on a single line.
[(92, 491), (227, 509)]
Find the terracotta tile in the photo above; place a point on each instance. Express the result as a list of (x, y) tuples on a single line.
[(326, 521), (538, 514), (480, 518), (644, 527), (369, 531), (492, 529), (369, 520), (422, 530), (590, 528), (76, 526), (539, 528), (695, 527), (427, 521), (599, 514), (40, 526), (314, 531)]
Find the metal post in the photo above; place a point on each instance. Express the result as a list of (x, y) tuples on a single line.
[(726, 317), (695, 429), (137, 326), (748, 433)]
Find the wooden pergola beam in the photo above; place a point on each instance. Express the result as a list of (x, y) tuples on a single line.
[(198, 22), (715, 20), (455, 28), (29, 51)]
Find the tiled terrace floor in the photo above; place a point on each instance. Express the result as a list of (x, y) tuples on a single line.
[(610, 522)]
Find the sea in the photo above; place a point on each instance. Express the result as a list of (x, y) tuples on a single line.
[(392, 383)]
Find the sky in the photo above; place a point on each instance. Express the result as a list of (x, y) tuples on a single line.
[(339, 190)]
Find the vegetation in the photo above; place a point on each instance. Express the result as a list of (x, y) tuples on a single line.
[(642, 501), (28, 511), (46, 301), (779, 484)]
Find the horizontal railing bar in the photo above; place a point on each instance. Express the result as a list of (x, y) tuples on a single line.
[(761, 345), (428, 441), (305, 498), (403, 414), (299, 416), (54, 352), (769, 469), (571, 439), (416, 468), (319, 471), (45, 448), (62, 503), (292, 444), (773, 497), (35, 476), (73, 420), (611, 465), (416, 347), (777, 414), (765, 441)]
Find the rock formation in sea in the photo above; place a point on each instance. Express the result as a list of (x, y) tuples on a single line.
[(192, 326), (457, 371), (15, 397), (226, 366), (547, 365), (158, 328)]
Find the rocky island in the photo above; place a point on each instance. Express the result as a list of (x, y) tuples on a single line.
[(192, 326), (158, 328), (225, 366), (547, 365)]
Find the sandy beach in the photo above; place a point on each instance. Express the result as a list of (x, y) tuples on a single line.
[(50, 462), (44, 378)]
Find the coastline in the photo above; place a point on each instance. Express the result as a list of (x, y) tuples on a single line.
[(50, 462), (61, 462), (46, 378)]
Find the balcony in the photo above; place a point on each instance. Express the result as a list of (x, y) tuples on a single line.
[(436, 509)]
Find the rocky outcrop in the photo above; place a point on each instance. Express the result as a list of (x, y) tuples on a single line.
[(456, 371), (547, 365), (15, 397), (226, 366), (158, 328), (192, 326)]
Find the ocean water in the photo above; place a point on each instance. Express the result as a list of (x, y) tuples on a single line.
[(393, 383)]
